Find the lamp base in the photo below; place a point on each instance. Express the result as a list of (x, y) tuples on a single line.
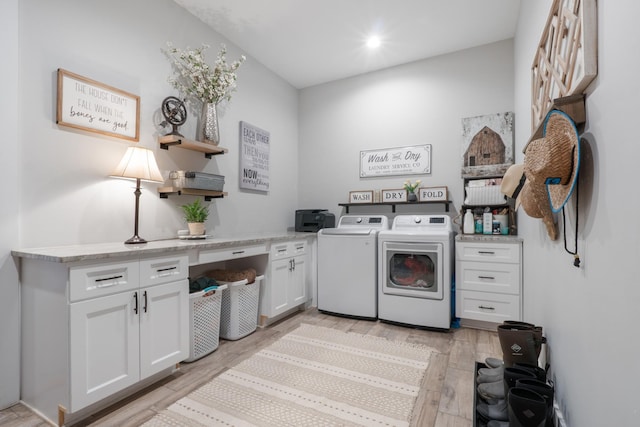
[(135, 239)]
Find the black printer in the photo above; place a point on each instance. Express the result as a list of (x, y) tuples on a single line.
[(314, 219)]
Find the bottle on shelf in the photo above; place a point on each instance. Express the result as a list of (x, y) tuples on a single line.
[(468, 226)]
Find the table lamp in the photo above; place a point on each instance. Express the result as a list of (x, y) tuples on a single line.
[(140, 164)]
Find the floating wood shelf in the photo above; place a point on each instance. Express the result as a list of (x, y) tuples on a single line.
[(393, 205), (207, 194), (209, 150), (573, 106)]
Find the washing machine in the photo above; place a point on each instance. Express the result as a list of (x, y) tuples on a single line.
[(415, 271), (348, 266)]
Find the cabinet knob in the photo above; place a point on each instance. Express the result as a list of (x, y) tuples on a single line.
[(135, 302)]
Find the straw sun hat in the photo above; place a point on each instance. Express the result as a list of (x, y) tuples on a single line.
[(551, 166)]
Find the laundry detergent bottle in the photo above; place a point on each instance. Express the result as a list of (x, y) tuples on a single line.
[(468, 225)]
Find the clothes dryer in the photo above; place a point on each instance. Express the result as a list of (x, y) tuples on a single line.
[(415, 268)]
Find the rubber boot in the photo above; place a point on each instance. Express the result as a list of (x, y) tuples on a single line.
[(539, 338), (540, 373), (543, 389), (513, 374), (497, 412), (518, 345), (526, 408), (493, 362)]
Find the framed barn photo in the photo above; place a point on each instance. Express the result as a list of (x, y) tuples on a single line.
[(488, 145), (361, 196), (433, 194), (92, 106)]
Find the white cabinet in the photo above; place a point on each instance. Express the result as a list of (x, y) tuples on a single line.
[(489, 280), (286, 284), (109, 326)]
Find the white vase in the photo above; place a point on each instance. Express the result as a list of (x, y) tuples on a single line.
[(196, 228), (208, 131)]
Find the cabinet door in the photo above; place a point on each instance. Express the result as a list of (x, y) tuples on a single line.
[(297, 282), (104, 342), (279, 284), (164, 326)]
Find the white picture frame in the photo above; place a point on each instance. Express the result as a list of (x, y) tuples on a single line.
[(397, 195), (362, 197), (433, 194)]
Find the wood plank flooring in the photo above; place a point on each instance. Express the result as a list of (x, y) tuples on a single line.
[(445, 399)]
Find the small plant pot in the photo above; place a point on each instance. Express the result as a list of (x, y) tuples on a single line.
[(196, 228)]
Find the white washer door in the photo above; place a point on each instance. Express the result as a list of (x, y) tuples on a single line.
[(412, 269)]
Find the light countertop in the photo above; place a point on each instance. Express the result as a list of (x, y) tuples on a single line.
[(495, 238), (98, 251)]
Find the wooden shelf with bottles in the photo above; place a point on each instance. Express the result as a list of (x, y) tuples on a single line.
[(207, 194), (209, 150)]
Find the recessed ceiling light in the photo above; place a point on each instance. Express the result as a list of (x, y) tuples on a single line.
[(373, 42)]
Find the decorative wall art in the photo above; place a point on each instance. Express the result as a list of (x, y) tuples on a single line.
[(394, 196), (433, 194), (414, 160), (254, 157), (95, 107), (361, 196), (566, 59), (488, 145)]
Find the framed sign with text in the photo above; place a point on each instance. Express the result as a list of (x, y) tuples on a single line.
[(433, 194), (394, 196), (88, 105), (414, 160), (254, 157), (361, 196)]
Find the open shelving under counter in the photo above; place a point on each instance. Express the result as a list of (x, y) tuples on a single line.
[(209, 150), (446, 204)]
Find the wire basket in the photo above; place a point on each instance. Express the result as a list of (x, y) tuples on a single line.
[(204, 328), (239, 316)]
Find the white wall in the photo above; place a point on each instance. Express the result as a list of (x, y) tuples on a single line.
[(414, 104), (590, 313), (67, 196), (9, 209)]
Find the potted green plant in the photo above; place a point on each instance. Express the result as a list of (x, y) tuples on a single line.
[(195, 214)]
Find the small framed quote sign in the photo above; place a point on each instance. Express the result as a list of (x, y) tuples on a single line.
[(433, 194), (254, 157), (361, 196), (394, 196), (95, 107)]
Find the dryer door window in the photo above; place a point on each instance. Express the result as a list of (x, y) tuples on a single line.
[(413, 269)]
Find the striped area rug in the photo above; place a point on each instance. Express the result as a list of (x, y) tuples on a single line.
[(313, 376)]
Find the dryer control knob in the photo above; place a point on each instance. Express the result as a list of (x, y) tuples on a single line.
[(359, 220), (417, 220)]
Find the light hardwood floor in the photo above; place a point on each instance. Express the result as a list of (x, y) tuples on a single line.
[(445, 399)]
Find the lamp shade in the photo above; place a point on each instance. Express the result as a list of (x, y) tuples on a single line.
[(138, 163)]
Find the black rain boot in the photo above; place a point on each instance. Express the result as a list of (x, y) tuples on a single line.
[(539, 339), (540, 373), (526, 408), (543, 389), (518, 345), (513, 374)]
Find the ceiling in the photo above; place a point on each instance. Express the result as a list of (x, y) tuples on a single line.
[(309, 42)]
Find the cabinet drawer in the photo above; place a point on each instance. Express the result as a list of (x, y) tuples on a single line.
[(97, 280), (489, 277), (154, 271), (214, 255), (491, 252), (288, 249), (487, 306)]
